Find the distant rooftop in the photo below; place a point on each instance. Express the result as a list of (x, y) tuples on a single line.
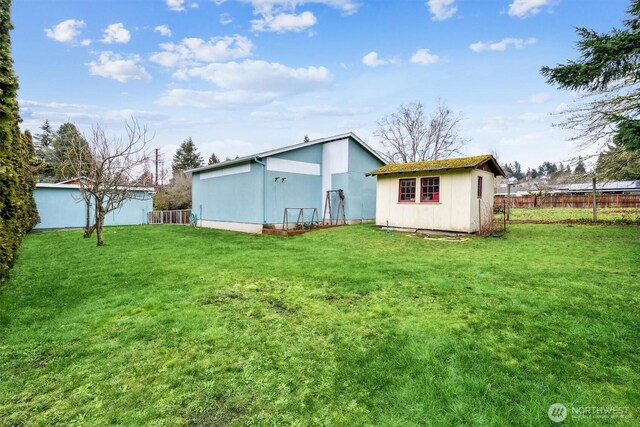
[(444, 164), (582, 187)]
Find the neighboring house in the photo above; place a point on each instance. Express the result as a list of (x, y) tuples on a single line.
[(602, 187), (252, 191), (605, 187), (448, 195), (61, 206)]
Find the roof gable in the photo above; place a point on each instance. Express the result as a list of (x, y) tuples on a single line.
[(484, 161), (290, 148)]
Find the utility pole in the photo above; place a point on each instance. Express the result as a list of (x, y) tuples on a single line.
[(156, 168)]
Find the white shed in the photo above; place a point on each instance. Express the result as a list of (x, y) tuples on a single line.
[(448, 195)]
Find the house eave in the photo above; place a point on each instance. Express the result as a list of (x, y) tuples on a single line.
[(273, 152)]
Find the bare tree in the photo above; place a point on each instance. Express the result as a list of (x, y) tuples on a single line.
[(107, 168), (408, 135)]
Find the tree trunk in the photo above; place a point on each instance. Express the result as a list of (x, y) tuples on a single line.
[(88, 231), (99, 225), (88, 228)]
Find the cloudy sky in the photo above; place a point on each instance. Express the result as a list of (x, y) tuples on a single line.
[(242, 76)]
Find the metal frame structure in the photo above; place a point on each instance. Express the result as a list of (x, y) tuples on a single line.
[(339, 210), (300, 223)]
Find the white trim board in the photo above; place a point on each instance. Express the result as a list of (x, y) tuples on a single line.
[(226, 171), (244, 227), (292, 166)]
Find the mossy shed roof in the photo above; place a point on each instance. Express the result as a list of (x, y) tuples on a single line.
[(472, 162)]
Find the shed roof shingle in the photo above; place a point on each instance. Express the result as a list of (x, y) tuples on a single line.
[(432, 165)]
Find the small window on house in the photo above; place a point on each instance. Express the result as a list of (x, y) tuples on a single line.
[(407, 191), (430, 189), (479, 187)]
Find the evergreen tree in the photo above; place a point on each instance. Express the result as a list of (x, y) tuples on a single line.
[(580, 169), (17, 208), (608, 71), (619, 164), (186, 157), (508, 169), (30, 180), (517, 170), (44, 139), (65, 139), (213, 159), (628, 135), (44, 153)]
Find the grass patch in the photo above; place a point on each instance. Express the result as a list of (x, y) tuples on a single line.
[(345, 326), (610, 215)]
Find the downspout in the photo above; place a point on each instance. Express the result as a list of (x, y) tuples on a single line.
[(264, 189)]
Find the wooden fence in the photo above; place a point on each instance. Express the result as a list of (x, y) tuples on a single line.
[(572, 201), (169, 217)]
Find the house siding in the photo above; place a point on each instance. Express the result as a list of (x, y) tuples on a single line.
[(360, 203), (481, 209), (257, 197), (236, 197), (63, 207), (451, 213)]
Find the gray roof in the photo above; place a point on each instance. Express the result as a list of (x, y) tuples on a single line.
[(605, 185), (290, 148), (582, 187), (77, 186)]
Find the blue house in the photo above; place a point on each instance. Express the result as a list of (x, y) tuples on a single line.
[(249, 192), (60, 206)]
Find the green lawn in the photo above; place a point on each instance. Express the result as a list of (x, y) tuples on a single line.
[(575, 214), (350, 326)]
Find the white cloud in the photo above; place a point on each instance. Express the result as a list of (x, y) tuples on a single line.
[(245, 83), (303, 111), (423, 56), (194, 50), (502, 44), (113, 66), (176, 5), (372, 59), (85, 42), (347, 7), (53, 105), (441, 10), (65, 31), (82, 114), (163, 29), (329, 110), (537, 98), (284, 22), (212, 99), (116, 33), (525, 8), (225, 19), (260, 76), (279, 15)]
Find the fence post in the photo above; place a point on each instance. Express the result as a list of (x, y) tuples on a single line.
[(508, 200), (593, 195)]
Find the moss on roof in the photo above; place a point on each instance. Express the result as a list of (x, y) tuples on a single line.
[(430, 165)]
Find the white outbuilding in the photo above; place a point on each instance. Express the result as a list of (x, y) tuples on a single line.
[(447, 195)]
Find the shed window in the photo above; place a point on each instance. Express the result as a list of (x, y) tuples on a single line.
[(407, 190), (479, 187), (430, 189)]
